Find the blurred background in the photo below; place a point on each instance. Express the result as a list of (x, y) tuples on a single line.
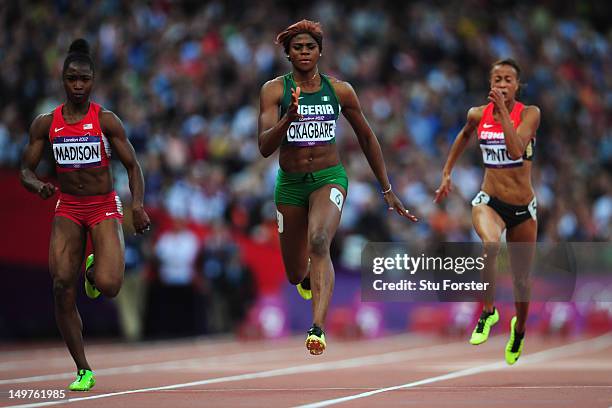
[(185, 79)]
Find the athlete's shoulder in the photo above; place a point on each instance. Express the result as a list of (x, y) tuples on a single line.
[(344, 91), (273, 84), (531, 109), (109, 121), (338, 84), (475, 113), (42, 122), (107, 114), (272, 92)]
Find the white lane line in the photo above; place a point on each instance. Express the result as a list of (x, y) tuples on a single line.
[(182, 364), (190, 363), (133, 349), (375, 359), (118, 352), (146, 350), (151, 347), (591, 345), (454, 388)]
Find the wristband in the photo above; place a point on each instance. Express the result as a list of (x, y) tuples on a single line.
[(387, 190)]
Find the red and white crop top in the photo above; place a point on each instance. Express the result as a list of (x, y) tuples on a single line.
[(493, 143), (80, 145)]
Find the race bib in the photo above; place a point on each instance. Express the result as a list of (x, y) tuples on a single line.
[(77, 152), (311, 132), (496, 156)]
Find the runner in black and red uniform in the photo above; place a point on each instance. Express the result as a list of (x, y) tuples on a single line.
[(81, 135), (506, 131)]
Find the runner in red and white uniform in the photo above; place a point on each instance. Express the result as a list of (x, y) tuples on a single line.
[(506, 132), (81, 135)]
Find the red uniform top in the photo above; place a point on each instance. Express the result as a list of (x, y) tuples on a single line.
[(80, 145), (493, 143)]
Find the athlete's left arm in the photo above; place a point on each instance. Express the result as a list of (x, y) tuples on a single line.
[(351, 108), (113, 129), (516, 139)]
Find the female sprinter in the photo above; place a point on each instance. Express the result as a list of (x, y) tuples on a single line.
[(506, 132), (81, 135), (298, 112)]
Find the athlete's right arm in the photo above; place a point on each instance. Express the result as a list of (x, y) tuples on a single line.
[(271, 130), (32, 155), (473, 119)]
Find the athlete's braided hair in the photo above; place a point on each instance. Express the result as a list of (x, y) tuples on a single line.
[(305, 26), (78, 51)]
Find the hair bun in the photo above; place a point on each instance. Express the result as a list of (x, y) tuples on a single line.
[(79, 45)]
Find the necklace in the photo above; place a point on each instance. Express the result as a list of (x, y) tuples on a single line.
[(306, 80)]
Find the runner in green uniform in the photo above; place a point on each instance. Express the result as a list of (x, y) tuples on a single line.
[(298, 112)]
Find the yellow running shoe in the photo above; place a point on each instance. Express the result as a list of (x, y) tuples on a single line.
[(514, 347), (90, 289), (483, 327), (303, 289), (84, 382), (315, 342)]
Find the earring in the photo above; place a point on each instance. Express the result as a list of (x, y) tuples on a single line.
[(320, 55), (288, 58)]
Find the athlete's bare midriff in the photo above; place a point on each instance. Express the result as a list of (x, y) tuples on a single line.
[(296, 159), (86, 182), (513, 186)]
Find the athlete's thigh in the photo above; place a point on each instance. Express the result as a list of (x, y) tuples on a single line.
[(66, 249), (292, 231), (522, 240), (109, 248), (526, 231), (326, 205), (488, 224)]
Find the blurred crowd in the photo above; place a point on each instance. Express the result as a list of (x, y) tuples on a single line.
[(185, 79)]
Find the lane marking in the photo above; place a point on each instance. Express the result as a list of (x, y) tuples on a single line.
[(245, 357), (591, 345), (170, 365), (355, 362)]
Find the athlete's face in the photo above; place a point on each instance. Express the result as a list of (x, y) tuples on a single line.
[(304, 52), (78, 82), (505, 78)]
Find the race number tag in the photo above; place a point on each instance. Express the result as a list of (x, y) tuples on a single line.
[(480, 199), (279, 221), (336, 197)]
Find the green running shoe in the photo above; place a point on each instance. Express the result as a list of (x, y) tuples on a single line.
[(483, 328), (303, 289), (84, 382), (315, 342), (90, 289), (514, 347)]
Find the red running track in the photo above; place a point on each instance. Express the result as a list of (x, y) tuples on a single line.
[(405, 370)]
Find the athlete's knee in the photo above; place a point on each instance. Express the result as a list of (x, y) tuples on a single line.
[(108, 285), (63, 292), (319, 242), (295, 279), (489, 238), (491, 246), (521, 284), (297, 273)]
